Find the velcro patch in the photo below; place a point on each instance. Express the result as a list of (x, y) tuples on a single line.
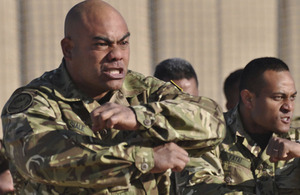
[(20, 103)]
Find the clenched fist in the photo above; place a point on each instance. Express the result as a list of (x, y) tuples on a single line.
[(282, 149), (112, 115)]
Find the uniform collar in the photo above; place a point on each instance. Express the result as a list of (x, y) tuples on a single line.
[(234, 122), (236, 128), (63, 85)]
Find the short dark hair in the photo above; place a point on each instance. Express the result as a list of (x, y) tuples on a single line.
[(175, 69), (251, 78), (230, 82)]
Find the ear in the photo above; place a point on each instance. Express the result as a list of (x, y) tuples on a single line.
[(67, 46), (247, 98)]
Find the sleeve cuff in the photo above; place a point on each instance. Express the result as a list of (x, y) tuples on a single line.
[(144, 159), (144, 117)]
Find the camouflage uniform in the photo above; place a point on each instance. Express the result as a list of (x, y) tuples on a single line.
[(247, 167), (202, 176), (296, 122), (48, 136)]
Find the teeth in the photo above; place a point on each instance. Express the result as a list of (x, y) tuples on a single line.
[(114, 72)]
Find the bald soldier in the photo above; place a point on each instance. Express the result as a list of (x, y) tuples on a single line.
[(93, 126)]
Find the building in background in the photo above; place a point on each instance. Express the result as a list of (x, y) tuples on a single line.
[(216, 36), (10, 73)]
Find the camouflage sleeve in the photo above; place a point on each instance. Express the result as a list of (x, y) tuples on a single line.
[(203, 174), (192, 122), (43, 149)]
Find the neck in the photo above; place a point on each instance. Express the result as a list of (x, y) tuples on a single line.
[(261, 139), (91, 92), (249, 125), (259, 134)]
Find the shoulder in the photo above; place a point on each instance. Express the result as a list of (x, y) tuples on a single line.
[(19, 102), (296, 122), (147, 80), (24, 99), (293, 134), (136, 82)]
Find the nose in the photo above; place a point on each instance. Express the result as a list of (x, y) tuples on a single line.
[(287, 106), (116, 53)]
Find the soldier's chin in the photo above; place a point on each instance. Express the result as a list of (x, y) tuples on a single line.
[(283, 129), (115, 84)]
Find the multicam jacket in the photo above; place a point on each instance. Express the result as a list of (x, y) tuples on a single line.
[(203, 175), (247, 167), (48, 136)]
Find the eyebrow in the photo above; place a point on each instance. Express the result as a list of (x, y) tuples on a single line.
[(108, 40)]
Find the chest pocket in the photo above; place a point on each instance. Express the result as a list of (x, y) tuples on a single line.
[(76, 117), (237, 170)]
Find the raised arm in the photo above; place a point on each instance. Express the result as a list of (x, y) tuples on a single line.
[(45, 148)]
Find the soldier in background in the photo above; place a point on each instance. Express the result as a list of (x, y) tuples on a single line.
[(92, 126), (203, 172), (231, 88), (259, 151), (179, 71)]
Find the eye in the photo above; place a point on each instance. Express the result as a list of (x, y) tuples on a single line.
[(124, 44), (278, 98), (293, 97), (101, 45)]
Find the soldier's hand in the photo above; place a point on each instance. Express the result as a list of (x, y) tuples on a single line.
[(112, 115), (282, 149), (169, 156)]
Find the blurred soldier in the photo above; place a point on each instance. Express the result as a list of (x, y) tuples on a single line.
[(202, 172), (231, 88), (92, 126), (295, 122), (179, 71), (259, 150)]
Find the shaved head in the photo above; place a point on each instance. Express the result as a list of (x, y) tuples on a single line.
[(86, 11), (96, 47)]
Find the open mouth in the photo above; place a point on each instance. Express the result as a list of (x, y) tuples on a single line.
[(114, 73), (286, 119)]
